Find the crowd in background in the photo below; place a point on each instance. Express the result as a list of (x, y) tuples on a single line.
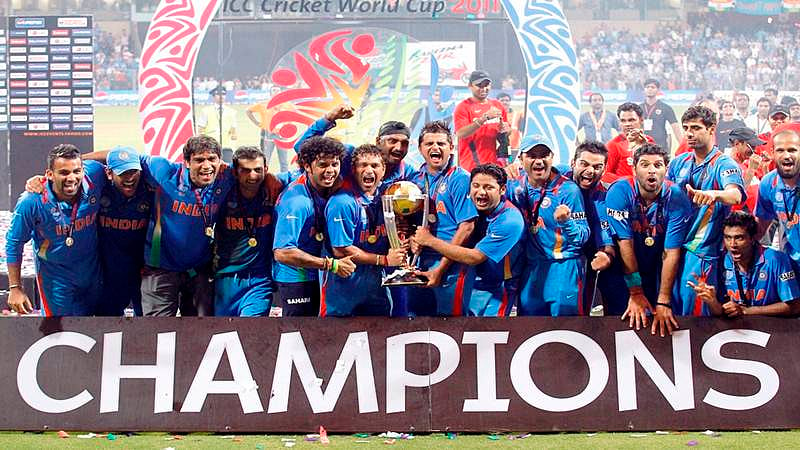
[(115, 64)]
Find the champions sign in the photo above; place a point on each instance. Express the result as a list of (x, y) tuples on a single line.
[(293, 375)]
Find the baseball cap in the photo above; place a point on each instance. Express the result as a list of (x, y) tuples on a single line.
[(123, 159), (394, 127), (536, 146), (219, 90), (746, 135), (479, 76), (779, 109)]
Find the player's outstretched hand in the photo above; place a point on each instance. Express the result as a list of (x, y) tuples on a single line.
[(513, 170), (396, 256), (701, 197), (35, 184), (19, 302), (663, 320), (345, 267), (705, 292), (562, 213), (341, 111), (638, 307)]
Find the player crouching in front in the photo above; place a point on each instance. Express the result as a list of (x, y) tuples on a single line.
[(498, 229)]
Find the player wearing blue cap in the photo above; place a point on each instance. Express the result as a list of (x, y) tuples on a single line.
[(713, 182), (557, 230), (355, 227), (649, 217), (300, 229), (756, 280), (451, 219), (243, 239), (779, 193), (392, 139), (125, 208), (62, 222), (498, 229), (177, 274)]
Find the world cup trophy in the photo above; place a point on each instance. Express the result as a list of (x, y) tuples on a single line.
[(403, 199)]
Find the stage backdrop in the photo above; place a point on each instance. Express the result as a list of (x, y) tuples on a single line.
[(378, 374), (337, 64)]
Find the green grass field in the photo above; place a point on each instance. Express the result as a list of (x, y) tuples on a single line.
[(726, 440)]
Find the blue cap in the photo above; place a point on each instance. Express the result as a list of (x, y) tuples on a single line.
[(535, 141), (123, 159)]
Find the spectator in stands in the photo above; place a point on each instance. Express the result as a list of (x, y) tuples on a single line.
[(597, 124), (771, 94), (657, 115), (794, 110), (621, 148), (742, 102)]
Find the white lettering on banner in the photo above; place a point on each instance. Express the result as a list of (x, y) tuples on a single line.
[(28, 382), (767, 376), (242, 384), (163, 372), (398, 378), (630, 348), (523, 382), (292, 352), (485, 342)]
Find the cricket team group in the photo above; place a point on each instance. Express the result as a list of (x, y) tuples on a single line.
[(118, 229)]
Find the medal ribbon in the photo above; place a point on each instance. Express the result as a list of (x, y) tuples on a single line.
[(742, 292), (319, 213), (199, 202), (598, 123), (372, 215), (72, 217), (790, 214), (651, 230)]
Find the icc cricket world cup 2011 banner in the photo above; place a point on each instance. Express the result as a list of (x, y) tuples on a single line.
[(377, 374)]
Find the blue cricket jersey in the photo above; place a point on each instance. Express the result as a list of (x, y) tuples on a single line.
[(497, 233), (49, 221), (322, 125), (546, 237), (300, 219), (449, 201), (243, 222), (594, 203), (176, 236), (704, 237), (771, 279), (777, 201)]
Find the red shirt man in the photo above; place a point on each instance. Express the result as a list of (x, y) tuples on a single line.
[(621, 148), (479, 123)]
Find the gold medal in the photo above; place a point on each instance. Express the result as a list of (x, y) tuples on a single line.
[(649, 241), (69, 241), (209, 232), (252, 242), (372, 239), (432, 218), (319, 237), (534, 229)]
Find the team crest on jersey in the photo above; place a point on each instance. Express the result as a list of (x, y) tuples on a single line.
[(762, 275), (779, 196), (684, 172), (143, 207), (105, 202), (729, 274), (546, 202), (92, 200), (658, 112), (232, 204), (218, 191), (55, 212), (442, 188)]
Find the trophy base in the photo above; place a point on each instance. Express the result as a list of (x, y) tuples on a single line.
[(404, 277)]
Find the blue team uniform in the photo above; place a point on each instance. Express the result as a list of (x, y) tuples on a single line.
[(321, 126), (122, 230), (666, 222), (610, 282), (450, 206), (300, 217), (704, 236), (243, 272), (771, 279), (352, 218), (68, 277), (178, 214), (554, 274), (499, 232), (776, 201)]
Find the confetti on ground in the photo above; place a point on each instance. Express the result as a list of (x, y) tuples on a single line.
[(288, 444), (87, 436), (494, 437), (692, 443), (390, 435), (390, 441), (323, 436), (451, 436), (591, 435), (757, 431), (237, 439), (361, 435), (662, 432), (111, 437), (63, 434), (637, 435), (362, 441)]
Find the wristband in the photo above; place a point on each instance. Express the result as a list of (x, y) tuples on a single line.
[(377, 260), (633, 279), (334, 265), (665, 305), (13, 286)]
